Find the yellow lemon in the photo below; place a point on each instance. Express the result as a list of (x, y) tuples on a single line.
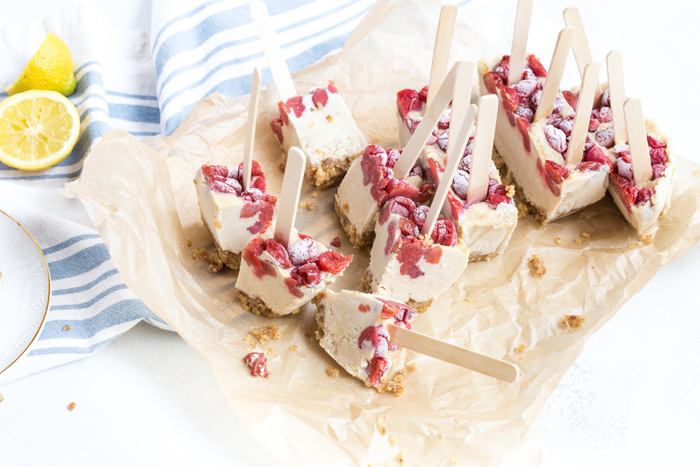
[(38, 129), (50, 69)]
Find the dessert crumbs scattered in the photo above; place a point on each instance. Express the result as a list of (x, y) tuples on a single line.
[(413, 366), (520, 348), (646, 238), (557, 240), (454, 459), (440, 436), (469, 299), (400, 458), (522, 210), (537, 266), (281, 166), (71, 406), (510, 191), (307, 205), (336, 242), (194, 256), (346, 207), (380, 425), (306, 334), (314, 194), (329, 118), (629, 239), (216, 263), (393, 440), (266, 333), (376, 139), (66, 327), (578, 240), (270, 350), (247, 338), (332, 371), (631, 245), (573, 321), (318, 335), (293, 348), (199, 265), (397, 385), (217, 224), (639, 243), (586, 234), (1, 398), (189, 243)]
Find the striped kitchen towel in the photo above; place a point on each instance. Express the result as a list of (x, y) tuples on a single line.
[(144, 83)]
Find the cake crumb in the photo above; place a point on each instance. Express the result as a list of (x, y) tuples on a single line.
[(293, 348), (557, 240), (393, 440), (319, 106), (537, 266), (629, 239), (630, 245), (523, 211), (67, 327), (397, 385), (329, 118), (646, 238), (247, 338), (281, 166), (413, 366), (266, 333), (306, 334), (336, 242), (586, 234), (578, 240), (440, 436), (307, 205), (217, 224), (314, 194), (270, 350), (380, 425), (216, 263), (510, 191), (454, 459), (639, 243), (376, 139), (400, 458), (520, 348), (469, 299), (573, 321), (71, 406), (189, 243), (332, 371)]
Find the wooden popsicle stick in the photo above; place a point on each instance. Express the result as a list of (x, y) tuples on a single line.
[(639, 148), (441, 51), (454, 156), (483, 147), (273, 52), (519, 47), (250, 129), (499, 369), (461, 97), (555, 73), (616, 84), (583, 114), (432, 115), (582, 50), (289, 196)]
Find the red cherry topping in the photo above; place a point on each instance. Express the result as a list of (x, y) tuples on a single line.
[(333, 262), (295, 103), (536, 66), (320, 96), (257, 363)]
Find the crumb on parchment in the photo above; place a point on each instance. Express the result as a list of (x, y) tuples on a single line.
[(266, 333), (557, 240), (380, 425), (401, 458), (189, 243), (216, 263), (520, 348), (454, 459), (293, 348), (314, 194), (71, 406), (332, 371), (393, 440), (397, 385), (307, 205), (646, 238), (578, 240), (537, 266), (585, 234), (413, 366), (573, 321), (67, 327)]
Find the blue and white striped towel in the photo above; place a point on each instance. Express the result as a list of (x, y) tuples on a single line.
[(142, 83)]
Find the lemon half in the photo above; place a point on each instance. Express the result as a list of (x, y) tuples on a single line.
[(38, 129), (50, 69)]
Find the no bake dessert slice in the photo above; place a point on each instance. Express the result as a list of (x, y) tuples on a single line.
[(234, 216), (352, 329)]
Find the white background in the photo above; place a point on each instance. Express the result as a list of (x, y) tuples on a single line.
[(630, 398)]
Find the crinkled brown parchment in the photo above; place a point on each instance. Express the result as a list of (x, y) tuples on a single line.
[(144, 205)]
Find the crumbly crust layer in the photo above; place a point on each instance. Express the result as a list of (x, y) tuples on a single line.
[(230, 259), (357, 240), (330, 172), (258, 307), (420, 307), (487, 257), (519, 198)]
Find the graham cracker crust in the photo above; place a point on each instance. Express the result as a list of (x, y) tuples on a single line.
[(230, 259), (521, 202), (256, 306), (487, 257), (420, 307), (330, 172), (358, 241)]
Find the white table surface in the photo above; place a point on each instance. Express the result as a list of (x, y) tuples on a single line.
[(630, 398)]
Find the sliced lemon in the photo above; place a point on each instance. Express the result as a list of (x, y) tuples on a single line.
[(50, 69), (38, 129)]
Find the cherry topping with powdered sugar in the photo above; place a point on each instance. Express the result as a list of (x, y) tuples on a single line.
[(257, 363)]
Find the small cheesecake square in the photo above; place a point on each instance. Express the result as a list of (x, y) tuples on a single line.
[(321, 124), (352, 329), (535, 152), (406, 267), (275, 281), (233, 216), (369, 184)]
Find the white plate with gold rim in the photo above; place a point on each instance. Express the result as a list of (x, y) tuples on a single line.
[(25, 291)]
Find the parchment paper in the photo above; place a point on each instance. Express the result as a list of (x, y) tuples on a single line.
[(144, 205)]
